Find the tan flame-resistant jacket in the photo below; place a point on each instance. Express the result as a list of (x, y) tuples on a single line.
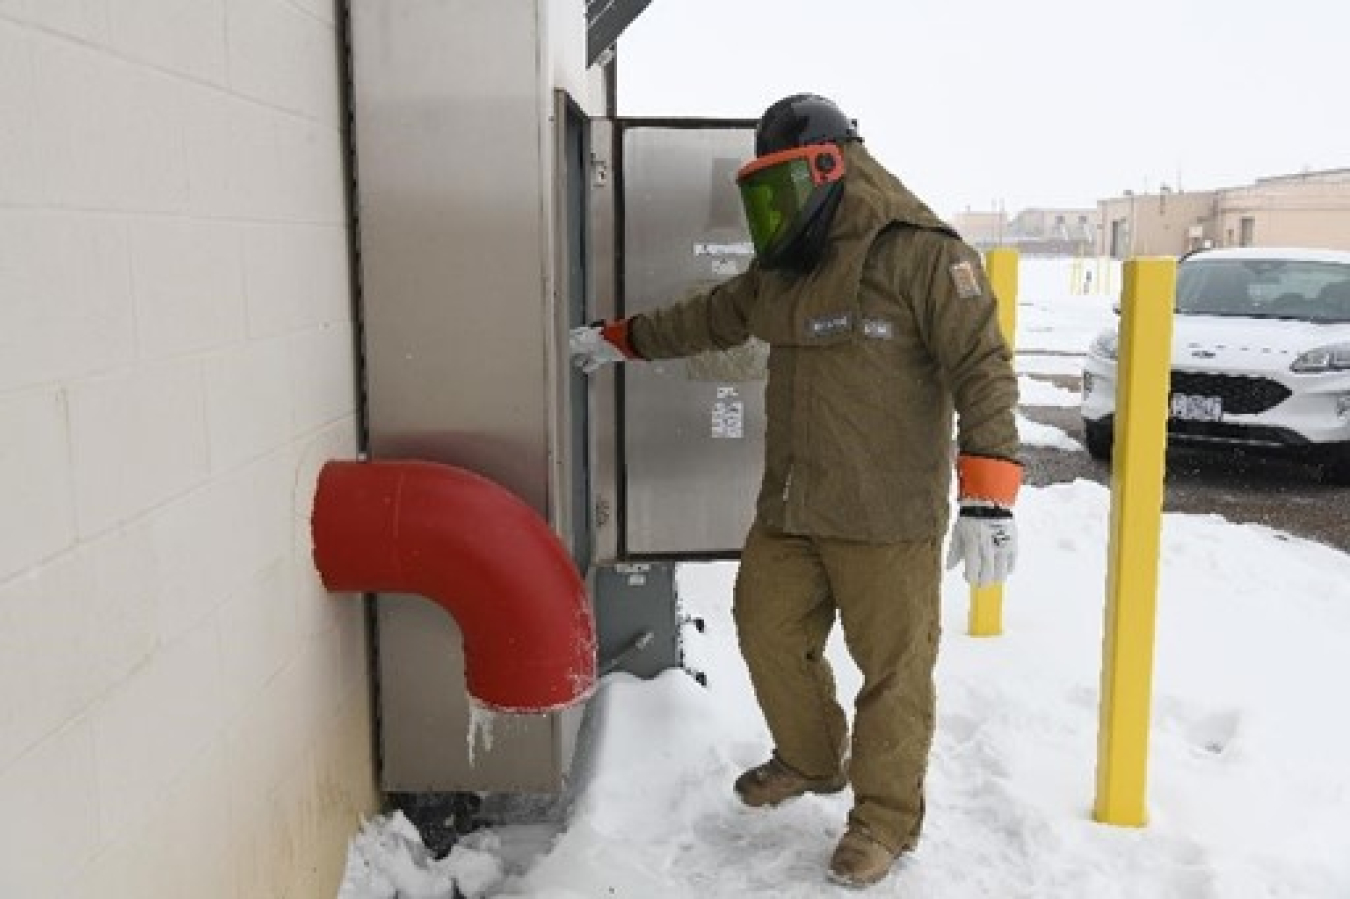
[(869, 355)]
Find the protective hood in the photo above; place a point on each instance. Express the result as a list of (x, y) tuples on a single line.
[(873, 200)]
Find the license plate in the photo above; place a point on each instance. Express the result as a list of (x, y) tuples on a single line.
[(1190, 407)]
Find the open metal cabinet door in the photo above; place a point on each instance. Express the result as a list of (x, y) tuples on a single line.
[(692, 429), (677, 446)]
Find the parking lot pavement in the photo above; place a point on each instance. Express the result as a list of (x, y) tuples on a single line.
[(1283, 495)]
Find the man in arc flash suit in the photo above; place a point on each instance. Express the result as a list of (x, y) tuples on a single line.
[(880, 324)]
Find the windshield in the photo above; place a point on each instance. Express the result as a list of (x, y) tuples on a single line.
[(1265, 288)]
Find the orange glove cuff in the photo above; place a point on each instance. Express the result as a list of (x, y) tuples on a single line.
[(984, 477), (616, 332)]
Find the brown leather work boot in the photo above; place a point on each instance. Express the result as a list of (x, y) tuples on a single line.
[(774, 782), (859, 860)]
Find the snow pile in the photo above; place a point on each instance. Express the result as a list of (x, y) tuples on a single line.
[(387, 860)]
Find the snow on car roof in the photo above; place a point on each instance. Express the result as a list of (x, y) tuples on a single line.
[(1309, 254)]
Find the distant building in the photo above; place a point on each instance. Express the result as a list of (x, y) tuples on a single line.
[(1056, 232), (1166, 223), (981, 229), (1307, 209), (1043, 232)]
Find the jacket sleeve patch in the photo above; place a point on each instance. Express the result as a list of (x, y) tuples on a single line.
[(829, 325), (877, 329), (964, 280)]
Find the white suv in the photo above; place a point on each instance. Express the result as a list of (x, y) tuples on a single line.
[(1260, 357)]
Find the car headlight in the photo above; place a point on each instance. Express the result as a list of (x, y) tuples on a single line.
[(1106, 345), (1325, 358)]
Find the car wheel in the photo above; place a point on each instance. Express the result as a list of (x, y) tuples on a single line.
[(1099, 436)]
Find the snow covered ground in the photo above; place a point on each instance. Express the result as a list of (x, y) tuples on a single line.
[(1249, 768)]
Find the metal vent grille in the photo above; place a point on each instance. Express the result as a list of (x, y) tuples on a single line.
[(1240, 395)]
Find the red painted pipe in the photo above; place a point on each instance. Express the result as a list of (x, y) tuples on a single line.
[(477, 550)]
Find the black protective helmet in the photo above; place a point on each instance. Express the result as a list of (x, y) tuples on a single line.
[(800, 120)]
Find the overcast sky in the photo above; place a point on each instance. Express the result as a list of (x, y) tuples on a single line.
[(1044, 103)]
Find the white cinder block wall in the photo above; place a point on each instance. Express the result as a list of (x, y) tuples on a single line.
[(183, 709)]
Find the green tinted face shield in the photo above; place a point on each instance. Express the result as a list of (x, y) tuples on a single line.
[(782, 192)]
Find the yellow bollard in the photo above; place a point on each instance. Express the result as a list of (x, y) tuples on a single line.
[(986, 603), (1139, 459), (1002, 269)]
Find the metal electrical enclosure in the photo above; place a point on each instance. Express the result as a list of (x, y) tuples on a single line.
[(468, 266), (495, 211)]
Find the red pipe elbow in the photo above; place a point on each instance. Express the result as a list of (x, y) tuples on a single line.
[(478, 551)]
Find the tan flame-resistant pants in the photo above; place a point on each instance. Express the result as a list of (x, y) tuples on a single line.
[(887, 596)]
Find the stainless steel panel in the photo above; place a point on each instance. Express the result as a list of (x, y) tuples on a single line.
[(602, 400), (452, 132), (568, 432), (693, 429), (428, 738), (462, 235)]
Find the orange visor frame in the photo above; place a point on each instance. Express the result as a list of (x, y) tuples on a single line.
[(825, 162)]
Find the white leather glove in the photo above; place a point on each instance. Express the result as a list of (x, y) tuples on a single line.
[(985, 538), (590, 349)]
